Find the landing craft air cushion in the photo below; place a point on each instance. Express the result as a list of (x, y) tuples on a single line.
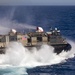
[(36, 39)]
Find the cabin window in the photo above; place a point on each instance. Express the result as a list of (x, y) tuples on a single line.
[(12, 38), (0, 40), (29, 40), (19, 38), (39, 39)]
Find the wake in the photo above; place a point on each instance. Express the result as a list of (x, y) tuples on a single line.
[(19, 56)]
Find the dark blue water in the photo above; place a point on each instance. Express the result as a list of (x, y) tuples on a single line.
[(62, 17)]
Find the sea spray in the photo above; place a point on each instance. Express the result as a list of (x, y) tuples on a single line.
[(17, 58), (7, 21), (17, 55), (6, 25)]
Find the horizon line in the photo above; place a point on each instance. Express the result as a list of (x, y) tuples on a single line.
[(37, 5)]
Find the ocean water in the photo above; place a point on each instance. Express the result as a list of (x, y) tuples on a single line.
[(19, 60)]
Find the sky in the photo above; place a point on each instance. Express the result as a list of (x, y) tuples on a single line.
[(37, 2)]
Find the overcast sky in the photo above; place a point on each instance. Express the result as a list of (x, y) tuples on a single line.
[(37, 2)]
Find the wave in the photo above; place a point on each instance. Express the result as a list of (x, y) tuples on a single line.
[(17, 55)]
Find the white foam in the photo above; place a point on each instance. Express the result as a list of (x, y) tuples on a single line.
[(17, 55)]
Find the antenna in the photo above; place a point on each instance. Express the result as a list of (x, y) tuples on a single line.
[(51, 29)]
